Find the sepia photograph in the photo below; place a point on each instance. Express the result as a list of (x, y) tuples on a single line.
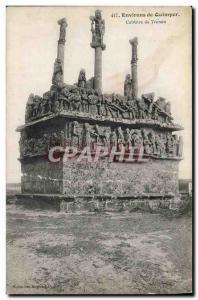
[(99, 191)]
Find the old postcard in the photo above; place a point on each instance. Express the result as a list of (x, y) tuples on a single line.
[(99, 150)]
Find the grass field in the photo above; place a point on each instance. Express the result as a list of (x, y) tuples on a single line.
[(59, 253)]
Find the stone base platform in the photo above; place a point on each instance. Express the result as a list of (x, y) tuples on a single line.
[(99, 203)]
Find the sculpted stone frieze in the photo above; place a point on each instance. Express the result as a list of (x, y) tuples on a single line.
[(81, 98), (80, 135)]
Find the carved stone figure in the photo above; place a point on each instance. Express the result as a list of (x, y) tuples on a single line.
[(121, 106), (150, 110), (75, 134), (168, 108), (62, 138), (29, 108), (127, 85), (128, 137), (150, 96), (131, 107), (137, 139), (57, 78), (23, 143), (174, 145), (45, 142), (157, 145), (63, 24), (161, 102), (106, 138), (169, 146), (86, 135), (38, 146), (180, 147), (162, 145), (90, 83), (155, 114), (141, 108), (49, 106), (84, 102), (113, 106), (76, 100), (31, 145), (82, 79), (36, 104), (99, 105), (120, 136), (23, 147), (113, 139), (65, 98), (93, 99), (43, 105), (98, 135), (151, 137), (56, 106), (146, 142), (54, 140), (97, 29)]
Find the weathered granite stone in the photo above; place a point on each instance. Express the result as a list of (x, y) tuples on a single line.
[(80, 116), (153, 176)]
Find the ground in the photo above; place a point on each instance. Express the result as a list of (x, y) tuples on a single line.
[(92, 253)]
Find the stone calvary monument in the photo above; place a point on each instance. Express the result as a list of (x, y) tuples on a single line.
[(82, 116)]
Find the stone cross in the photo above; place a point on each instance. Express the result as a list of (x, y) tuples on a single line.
[(134, 43), (61, 42)]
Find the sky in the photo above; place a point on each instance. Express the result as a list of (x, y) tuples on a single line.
[(164, 61)]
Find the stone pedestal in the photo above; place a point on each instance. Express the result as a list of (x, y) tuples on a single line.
[(118, 179), (98, 183)]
